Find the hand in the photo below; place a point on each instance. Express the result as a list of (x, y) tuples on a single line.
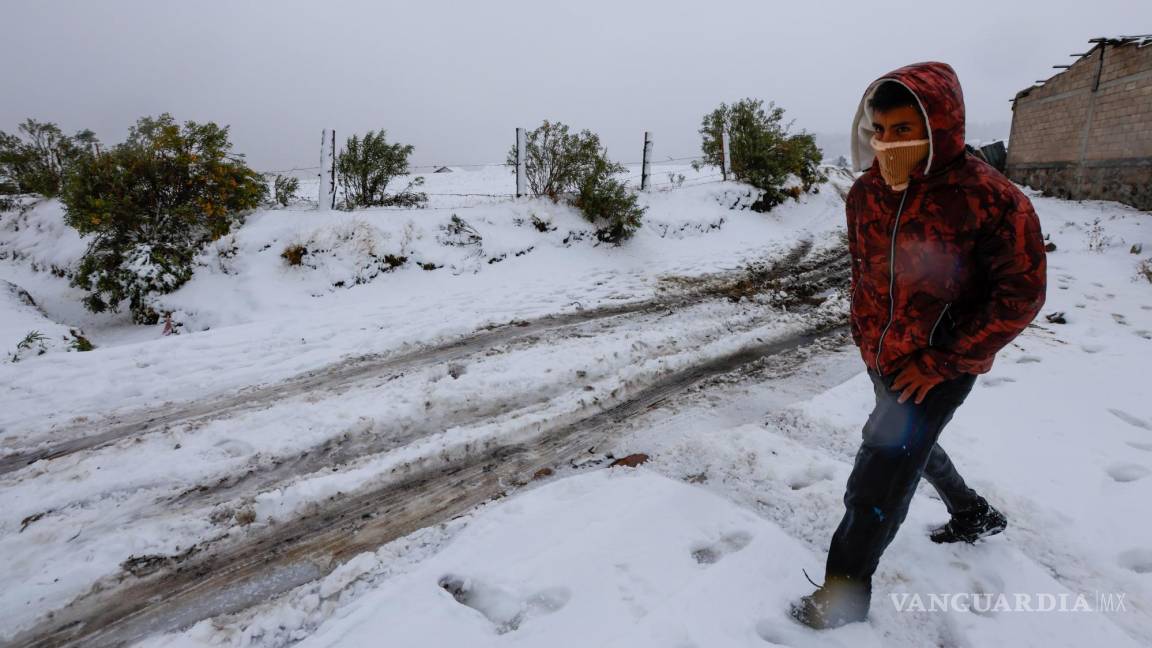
[(911, 381)]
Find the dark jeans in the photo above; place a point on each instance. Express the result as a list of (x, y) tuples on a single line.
[(899, 448)]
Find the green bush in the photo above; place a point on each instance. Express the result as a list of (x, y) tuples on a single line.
[(562, 165), (39, 158), (763, 152), (284, 189), (608, 203), (150, 204), (366, 166), (555, 159)]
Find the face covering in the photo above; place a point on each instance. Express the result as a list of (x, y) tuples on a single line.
[(897, 159)]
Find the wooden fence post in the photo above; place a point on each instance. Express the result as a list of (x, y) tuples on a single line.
[(521, 176), (332, 166), (327, 192), (644, 166), (725, 156)]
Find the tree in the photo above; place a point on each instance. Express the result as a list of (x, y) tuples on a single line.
[(764, 153), (560, 164), (150, 204), (38, 159), (366, 166), (555, 160)]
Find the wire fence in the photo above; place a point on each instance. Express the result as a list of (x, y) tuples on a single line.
[(312, 185)]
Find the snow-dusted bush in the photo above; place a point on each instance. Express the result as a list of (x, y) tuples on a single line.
[(349, 253), (26, 332), (1097, 239), (764, 154), (284, 189), (608, 204), (457, 232), (151, 203), (574, 166), (366, 166)]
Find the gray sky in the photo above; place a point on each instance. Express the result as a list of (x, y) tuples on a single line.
[(455, 78)]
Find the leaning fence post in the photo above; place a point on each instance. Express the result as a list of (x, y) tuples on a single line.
[(644, 168), (725, 158), (520, 156)]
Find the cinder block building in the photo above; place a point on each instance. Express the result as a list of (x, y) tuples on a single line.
[(1086, 133)]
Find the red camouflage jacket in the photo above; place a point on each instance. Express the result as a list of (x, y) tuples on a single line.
[(950, 270)]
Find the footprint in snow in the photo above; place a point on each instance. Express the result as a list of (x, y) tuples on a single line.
[(1092, 348), (1147, 335), (504, 609), (961, 565), (709, 554), (1028, 358), (1140, 445), (235, 447), (987, 582), (996, 380), (811, 475), (1134, 421), (1120, 319), (770, 632), (1127, 472), (1138, 560)]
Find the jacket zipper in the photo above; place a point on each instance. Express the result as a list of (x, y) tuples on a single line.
[(891, 280), (938, 320)]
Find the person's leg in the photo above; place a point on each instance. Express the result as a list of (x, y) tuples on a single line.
[(897, 441), (940, 472)]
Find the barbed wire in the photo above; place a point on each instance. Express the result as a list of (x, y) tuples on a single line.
[(316, 168), (508, 197), (478, 165), (489, 195), (459, 166), (664, 161), (689, 181)]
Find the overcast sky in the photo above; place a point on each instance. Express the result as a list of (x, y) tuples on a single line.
[(455, 78)]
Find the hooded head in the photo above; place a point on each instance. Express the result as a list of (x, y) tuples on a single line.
[(941, 102)]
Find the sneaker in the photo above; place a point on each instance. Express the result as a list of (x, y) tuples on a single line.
[(836, 603), (980, 521)]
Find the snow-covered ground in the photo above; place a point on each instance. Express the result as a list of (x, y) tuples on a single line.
[(701, 546)]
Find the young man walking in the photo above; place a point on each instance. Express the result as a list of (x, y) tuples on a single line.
[(948, 266)]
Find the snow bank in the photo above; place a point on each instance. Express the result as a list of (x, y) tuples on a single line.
[(40, 238), (26, 332)]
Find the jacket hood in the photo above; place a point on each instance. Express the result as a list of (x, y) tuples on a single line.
[(937, 89)]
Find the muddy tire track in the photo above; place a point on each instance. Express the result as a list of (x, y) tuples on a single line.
[(209, 583), (800, 283), (350, 372)]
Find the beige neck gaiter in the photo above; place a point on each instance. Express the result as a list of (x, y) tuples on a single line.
[(897, 159)]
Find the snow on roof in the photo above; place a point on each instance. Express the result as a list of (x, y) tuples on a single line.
[(1140, 41)]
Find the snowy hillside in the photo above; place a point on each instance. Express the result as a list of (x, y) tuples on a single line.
[(356, 451)]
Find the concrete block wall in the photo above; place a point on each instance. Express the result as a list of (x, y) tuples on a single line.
[(1076, 138)]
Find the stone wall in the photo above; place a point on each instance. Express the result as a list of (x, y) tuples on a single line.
[(1087, 132)]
